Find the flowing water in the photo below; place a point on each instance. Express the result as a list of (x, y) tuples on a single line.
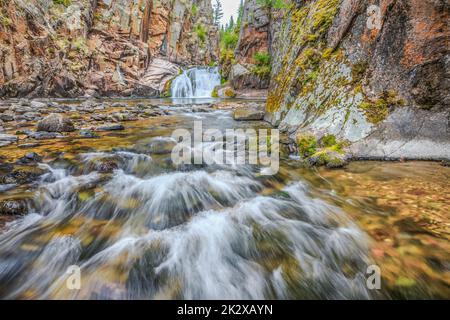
[(196, 83), (152, 230)]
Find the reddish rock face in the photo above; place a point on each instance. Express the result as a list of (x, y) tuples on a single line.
[(254, 35), (98, 47)]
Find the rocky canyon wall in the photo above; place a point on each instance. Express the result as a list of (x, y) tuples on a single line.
[(375, 75), (254, 38), (71, 48)]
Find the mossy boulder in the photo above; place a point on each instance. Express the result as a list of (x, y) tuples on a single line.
[(326, 151), (329, 158), (223, 92)]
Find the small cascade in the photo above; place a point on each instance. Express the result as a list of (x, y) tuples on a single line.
[(196, 83)]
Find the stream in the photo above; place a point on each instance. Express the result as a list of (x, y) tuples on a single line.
[(140, 227)]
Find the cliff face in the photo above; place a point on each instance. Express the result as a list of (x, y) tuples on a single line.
[(77, 47), (254, 38), (374, 74)]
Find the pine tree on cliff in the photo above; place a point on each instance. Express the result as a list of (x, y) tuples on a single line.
[(240, 14), (218, 12)]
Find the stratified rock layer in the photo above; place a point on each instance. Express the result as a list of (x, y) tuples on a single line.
[(105, 47), (373, 73)]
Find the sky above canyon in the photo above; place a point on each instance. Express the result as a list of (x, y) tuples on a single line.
[(230, 8)]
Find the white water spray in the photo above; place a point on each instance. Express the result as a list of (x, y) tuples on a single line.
[(196, 83)]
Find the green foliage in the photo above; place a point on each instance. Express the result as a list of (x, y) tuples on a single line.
[(201, 32), (359, 70), (263, 66), (4, 20), (215, 93), (262, 58), (307, 145), (194, 9), (229, 40), (273, 4), (65, 3), (378, 110), (328, 140)]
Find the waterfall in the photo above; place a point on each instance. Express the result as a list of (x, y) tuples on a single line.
[(196, 83)]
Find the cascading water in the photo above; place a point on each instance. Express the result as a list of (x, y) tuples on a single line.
[(148, 229), (196, 83)]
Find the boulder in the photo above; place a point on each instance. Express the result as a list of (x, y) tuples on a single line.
[(37, 105), (13, 207), (7, 139), (225, 92), (248, 115), (55, 123), (30, 158), (111, 127)]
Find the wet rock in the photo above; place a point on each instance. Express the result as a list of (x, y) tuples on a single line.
[(55, 123), (7, 116), (158, 146), (32, 116), (99, 117), (30, 158), (13, 207), (330, 159), (248, 114), (28, 145), (110, 127), (21, 175), (123, 117), (43, 135), (88, 134), (37, 105), (7, 139), (107, 166)]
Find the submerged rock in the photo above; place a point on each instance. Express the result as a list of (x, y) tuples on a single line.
[(55, 123), (7, 139), (44, 135), (158, 145), (13, 207), (110, 127), (248, 115), (107, 166), (30, 158), (21, 175)]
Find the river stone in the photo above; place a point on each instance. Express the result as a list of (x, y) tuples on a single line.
[(37, 105), (7, 139), (30, 158), (43, 135), (13, 207), (248, 115), (88, 134), (110, 127), (22, 175), (55, 123), (7, 116), (107, 166), (329, 158), (159, 146)]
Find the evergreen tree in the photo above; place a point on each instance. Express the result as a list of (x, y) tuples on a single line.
[(231, 23), (240, 14), (218, 12)]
